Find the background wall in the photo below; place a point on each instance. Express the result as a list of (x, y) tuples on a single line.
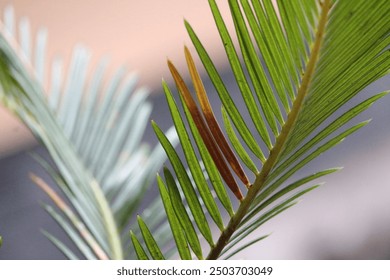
[(348, 217)]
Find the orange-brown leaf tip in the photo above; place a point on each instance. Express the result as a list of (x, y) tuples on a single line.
[(228, 178), (171, 66), (200, 123), (186, 50), (238, 194), (212, 122)]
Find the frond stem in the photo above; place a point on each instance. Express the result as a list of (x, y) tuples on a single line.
[(109, 222), (78, 224), (281, 139)]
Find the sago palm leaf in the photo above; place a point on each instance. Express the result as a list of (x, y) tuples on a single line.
[(297, 66), (103, 169)]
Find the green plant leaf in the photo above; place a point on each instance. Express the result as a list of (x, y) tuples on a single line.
[(212, 171), (177, 230), (330, 144), (210, 141), (141, 254), (336, 124), (259, 80), (151, 244), (188, 189), (181, 212), (246, 246), (239, 74), (296, 71), (236, 143), (194, 166), (282, 192), (226, 99), (264, 217)]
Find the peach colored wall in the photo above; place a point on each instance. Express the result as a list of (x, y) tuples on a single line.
[(139, 34)]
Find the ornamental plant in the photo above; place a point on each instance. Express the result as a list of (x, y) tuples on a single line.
[(296, 66)]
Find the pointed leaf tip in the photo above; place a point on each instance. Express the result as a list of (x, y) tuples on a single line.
[(150, 242), (141, 254), (211, 121), (204, 132)]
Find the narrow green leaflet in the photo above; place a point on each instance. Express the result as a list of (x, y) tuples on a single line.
[(264, 36), (235, 241), (283, 192), (225, 97), (239, 74), (210, 166), (141, 254), (277, 33), (188, 189), (330, 144), (236, 143), (295, 68), (243, 247), (260, 81), (151, 244), (177, 231), (182, 214), (274, 211), (293, 31), (336, 124), (342, 72), (257, 76), (194, 166)]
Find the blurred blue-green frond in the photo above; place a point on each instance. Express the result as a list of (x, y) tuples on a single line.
[(92, 126)]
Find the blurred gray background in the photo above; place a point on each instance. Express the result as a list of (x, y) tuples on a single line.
[(346, 218)]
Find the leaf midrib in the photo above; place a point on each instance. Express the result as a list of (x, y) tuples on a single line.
[(281, 140)]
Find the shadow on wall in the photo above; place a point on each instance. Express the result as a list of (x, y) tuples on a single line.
[(374, 245)]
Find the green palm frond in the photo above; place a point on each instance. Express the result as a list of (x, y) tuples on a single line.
[(92, 132), (297, 66)]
